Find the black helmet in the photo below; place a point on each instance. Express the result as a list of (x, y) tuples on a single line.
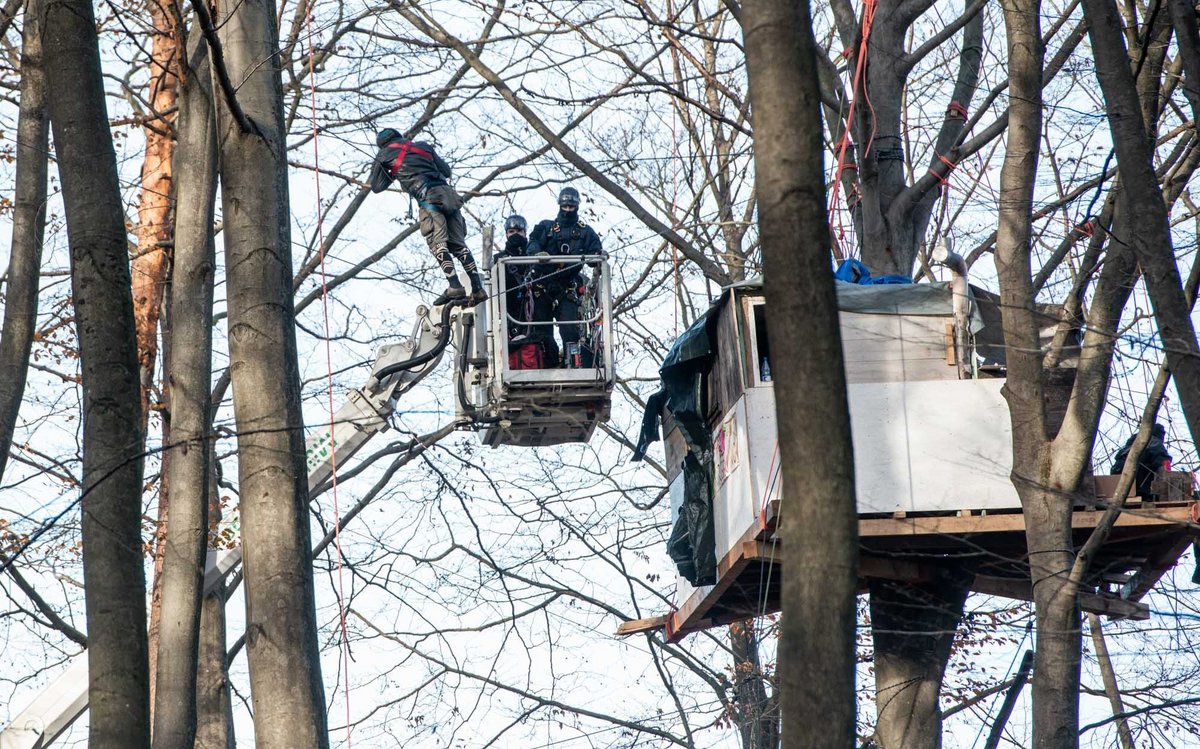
[(516, 221), (569, 196), (387, 135)]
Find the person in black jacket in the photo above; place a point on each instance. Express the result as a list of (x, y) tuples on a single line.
[(1154, 460), (526, 298), (426, 177), (566, 235)]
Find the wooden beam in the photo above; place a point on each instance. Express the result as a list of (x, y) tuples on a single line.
[(635, 626), (1021, 590), (953, 525)]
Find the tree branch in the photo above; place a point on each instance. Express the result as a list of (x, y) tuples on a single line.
[(437, 33), (245, 124)]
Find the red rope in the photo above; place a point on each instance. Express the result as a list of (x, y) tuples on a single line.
[(856, 87), (344, 649)]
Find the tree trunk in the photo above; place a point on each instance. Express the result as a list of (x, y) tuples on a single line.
[(28, 231), (1143, 198), (214, 708), (1059, 642), (758, 720), (1110, 681), (114, 579), (913, 626), (189, 341), (152, 261), (819, 528), (1047, 511), (151, 266), (281, 628)]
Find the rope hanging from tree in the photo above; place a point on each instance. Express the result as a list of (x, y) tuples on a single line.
[(344, 646)]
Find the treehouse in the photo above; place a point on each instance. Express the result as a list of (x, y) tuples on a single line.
[(932, 441)]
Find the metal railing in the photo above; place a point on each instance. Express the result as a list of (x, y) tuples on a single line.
[(597, 324)]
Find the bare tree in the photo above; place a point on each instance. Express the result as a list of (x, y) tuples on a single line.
[(819, 534), (189, 374), (28, 230), (285, 671), (114, 580)]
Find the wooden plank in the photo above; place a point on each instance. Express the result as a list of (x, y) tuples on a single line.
[(949, 342), (893, 569), (725, 379), (636, 626), (1021, 590), (1009, 522)]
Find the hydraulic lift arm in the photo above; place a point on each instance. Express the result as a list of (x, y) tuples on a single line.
[(366, 412)]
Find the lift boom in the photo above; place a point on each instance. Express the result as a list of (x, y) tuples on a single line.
[(366, 412)]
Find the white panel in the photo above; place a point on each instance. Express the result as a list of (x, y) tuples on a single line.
[(734, 496), (961, 445), (880, 434), (764, 461), (932, 446), (939, 445)]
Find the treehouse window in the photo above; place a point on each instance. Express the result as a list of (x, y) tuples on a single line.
[(760, 351)]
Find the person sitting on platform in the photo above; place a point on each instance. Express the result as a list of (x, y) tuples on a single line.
[(1153, 461)]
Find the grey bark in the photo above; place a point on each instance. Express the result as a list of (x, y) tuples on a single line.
[(1142, 197), (758, 706), (281, 632), (913, 628), (1110, 682), (189, 342), (820, 536), (28, 231), (1187, 38), (892, 215), (1047, 511), (114, 578), (214, 708)]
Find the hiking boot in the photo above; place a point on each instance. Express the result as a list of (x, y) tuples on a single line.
[(478, 293), (453, 292)]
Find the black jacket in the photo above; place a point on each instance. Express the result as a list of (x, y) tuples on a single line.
[(1151, 462), (556, 239), (415, 164)]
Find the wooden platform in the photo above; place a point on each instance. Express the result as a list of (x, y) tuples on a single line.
[(1145, 543)]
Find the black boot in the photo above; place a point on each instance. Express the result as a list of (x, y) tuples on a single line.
[(455, 291), (478, 293)]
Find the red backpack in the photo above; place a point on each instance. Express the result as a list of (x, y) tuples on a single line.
[(527, 356)]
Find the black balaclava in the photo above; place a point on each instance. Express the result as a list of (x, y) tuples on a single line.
[(516, 244), (568, 218)]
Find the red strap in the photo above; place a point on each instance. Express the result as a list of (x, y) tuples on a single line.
[(405, 149)]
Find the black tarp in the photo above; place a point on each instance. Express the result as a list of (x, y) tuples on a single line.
[(692, 545)]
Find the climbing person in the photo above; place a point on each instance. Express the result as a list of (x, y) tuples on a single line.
[(566, 235), (426, 177), (1154, 460)]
